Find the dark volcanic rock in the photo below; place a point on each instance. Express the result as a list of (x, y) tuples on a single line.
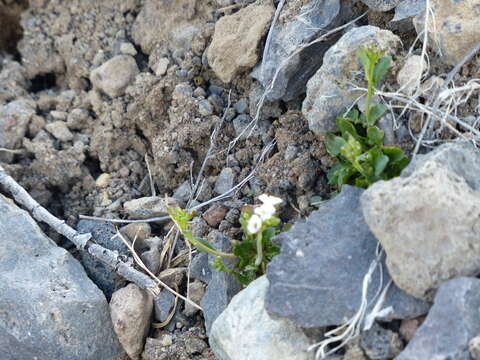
[(316, 280), (452, 321)]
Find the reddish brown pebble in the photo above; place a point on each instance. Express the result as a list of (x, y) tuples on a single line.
[(409, 327), (215, 214)]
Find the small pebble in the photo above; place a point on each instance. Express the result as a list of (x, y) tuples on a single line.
[(205, 108), (128, 49), (102, 181)]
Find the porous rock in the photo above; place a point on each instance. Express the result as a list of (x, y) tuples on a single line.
[(246, 331), (329, 91), (323, 260), (452, 321), (234, 46), (427, 220), (454, 28), (48, 305)]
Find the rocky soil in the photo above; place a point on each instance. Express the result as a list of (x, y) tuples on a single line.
[(120, 109)]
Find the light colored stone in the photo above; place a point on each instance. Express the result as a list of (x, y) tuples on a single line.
[(234, 47), (131, 310), (115, 75), (14, 119), (328, 91), (150, 206), (410, 74), (160, 68), (474, 348), (128, 49), (196, 292), (381, 5), (59, 130), (428, 220), (454, 27), (245, 331), (102, 180)]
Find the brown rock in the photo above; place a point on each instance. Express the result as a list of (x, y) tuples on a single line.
[(215, 214), (234, 47), (410, 326), (131, 310)]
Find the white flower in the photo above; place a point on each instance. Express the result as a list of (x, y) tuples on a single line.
[(265, 211), (254, 224), (270, 200)]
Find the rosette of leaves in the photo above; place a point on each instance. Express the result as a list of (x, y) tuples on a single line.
[(362, 159)]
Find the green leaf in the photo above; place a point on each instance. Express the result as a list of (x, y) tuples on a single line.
[(351, 149), (394, 153), (346, 127), (334, 144), (380, 162), (381, 69), (376, 112), (362, 55), (205, 243), (375, 136), (353, 114)]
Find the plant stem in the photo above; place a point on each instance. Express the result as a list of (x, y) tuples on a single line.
[(370, 92), (259, 258)]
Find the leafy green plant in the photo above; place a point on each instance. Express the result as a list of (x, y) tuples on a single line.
[(253, 252), (362, 159)]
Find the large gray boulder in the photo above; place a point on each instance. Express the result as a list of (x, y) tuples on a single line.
[(317, 278), (428, 220), (329, 91), (453, 320), (49, 308), (245, 331), (285, 69)]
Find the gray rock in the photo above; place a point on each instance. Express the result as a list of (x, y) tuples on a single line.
[(102, 275), (329, 91), (222, 286), (163, 305), (410, 74), (241, 106), (131, 310), (200, 269), (456, 25), (427, 219), (381, 5), (196, 291), (474, 348), (380, 344), (408, 9), (246, 331), (323, 261), (49, 308), (224, 181), (59, 130), (452, 321), (293, 71), (149, 206), (205, 108), (183, 192), (115, 75), (151, 256)]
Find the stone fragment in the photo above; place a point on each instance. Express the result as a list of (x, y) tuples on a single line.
[(246, 331), (215, 214), (287, 65), (408, 9), (454, 28), (147, 207), (381, 5), (115, 75), (324, 260), (234, 47), (160, 68), (474, 348), (102, 181), (410, 74), (329, 91), (222, 286), (49, 308), (452, 321), (380, 344), (196, 292), (427, 220), (224, 181), (408, 327), (131, 310), (59, 130), (102, 275)]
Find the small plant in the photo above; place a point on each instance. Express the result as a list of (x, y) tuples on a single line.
[(362, 159), (260, 224)]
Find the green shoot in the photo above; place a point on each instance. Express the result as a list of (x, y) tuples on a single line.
[(362, 159)]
